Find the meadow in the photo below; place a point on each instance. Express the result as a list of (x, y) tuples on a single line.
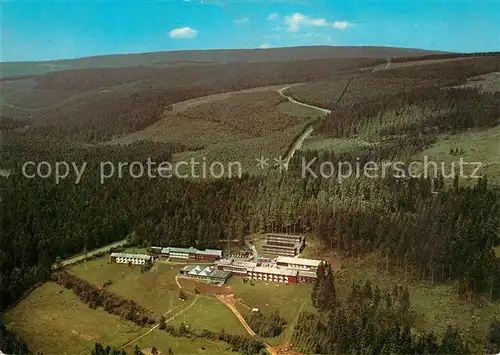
[(289, 299), (54, 321), (155, 290), (436, 306), (481, 146)]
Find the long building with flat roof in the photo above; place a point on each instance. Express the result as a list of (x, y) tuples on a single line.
[(283, 244), (188, 253), (125, 258), (298, 263)]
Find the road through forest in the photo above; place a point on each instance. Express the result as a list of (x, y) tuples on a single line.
[(81, 257), (309, 129)]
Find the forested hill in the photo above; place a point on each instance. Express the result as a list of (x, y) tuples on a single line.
[(441, 230), (208, 57)]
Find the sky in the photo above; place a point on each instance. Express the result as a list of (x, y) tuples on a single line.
[(46, 30)]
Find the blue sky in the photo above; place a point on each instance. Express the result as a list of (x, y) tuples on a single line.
[(43, 30)]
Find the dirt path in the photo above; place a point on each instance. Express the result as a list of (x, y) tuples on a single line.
[(165, 314), (228, 300), (177, 281), (157, 325)]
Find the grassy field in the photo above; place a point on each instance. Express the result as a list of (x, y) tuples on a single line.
[(155, 290), (474, 146), (487, 82), (53, 320), (180, 346), (436, 306), (209, 313), (245, 152), (51, 310), (289, 299), (224, 118)]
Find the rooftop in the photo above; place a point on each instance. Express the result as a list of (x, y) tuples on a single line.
[(188, 268), (220, 274), (284, 235), (298, 261), (209, 271), (131, 256), (199, 271), (214, 252), (236, 263), (274, 271), (191, 250)]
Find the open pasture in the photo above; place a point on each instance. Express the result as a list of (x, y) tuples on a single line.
[(436, 306), (52, 320), (156, 289), (481, 146)]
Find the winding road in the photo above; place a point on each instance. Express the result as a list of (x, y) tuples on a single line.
[(291, 99), (309, 129)]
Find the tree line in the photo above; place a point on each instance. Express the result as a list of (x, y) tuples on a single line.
[(370, 321), (96, 297)]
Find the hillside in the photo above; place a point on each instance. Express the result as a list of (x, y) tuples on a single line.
[(207, 57), (411, 266)]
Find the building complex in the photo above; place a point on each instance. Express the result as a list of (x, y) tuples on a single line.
[(209, 274), (284, 271), (187, 253), (283, 244)]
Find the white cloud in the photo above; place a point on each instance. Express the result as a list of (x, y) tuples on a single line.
[(341, 25), (273, 16), (183, 32), (264, 45), (297, 20), (242, 20)]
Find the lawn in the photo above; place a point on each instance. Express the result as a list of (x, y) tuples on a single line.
[(289, 299), (155, 289), (53, 320), (211, 314)]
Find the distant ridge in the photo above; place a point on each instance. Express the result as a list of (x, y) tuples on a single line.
[(207, 57)]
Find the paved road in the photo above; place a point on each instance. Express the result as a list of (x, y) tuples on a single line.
[(298, 143), (80, 257), (289, 98), (307, 132)]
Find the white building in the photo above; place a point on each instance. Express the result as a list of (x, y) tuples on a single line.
[(297, 263), (125, 258)]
